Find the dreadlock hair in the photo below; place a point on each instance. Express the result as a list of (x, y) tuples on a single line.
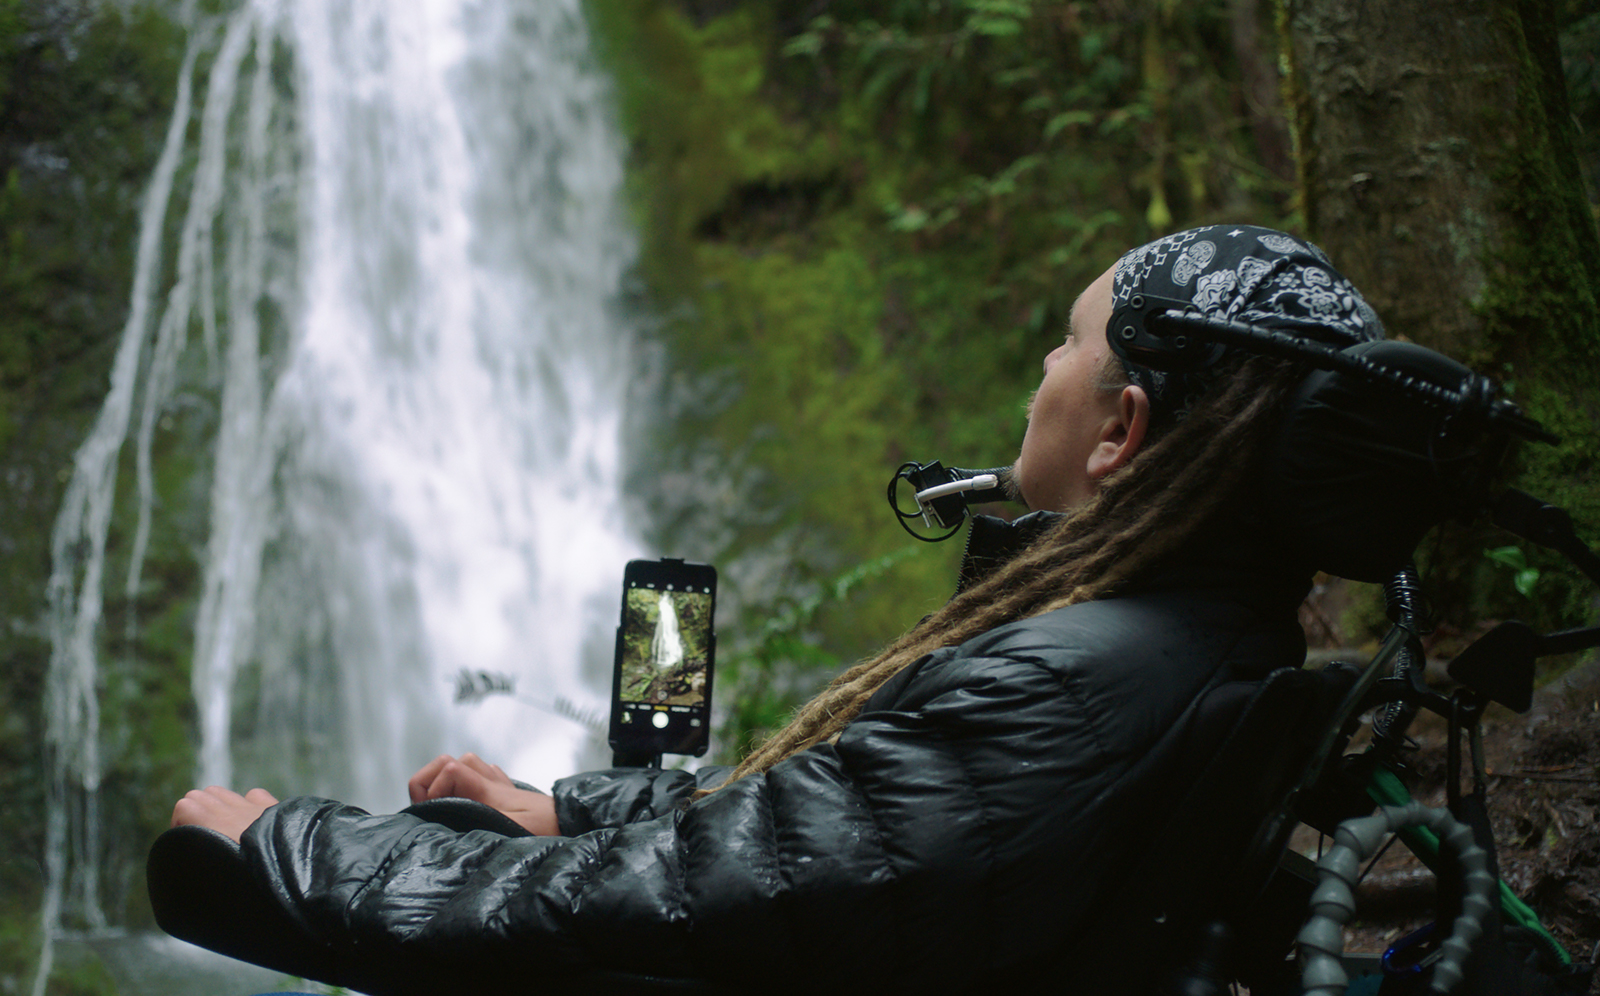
[(1142, 514)]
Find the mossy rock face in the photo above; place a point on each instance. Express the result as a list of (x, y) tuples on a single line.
[(85, 93)]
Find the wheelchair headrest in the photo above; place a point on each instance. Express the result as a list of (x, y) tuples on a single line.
[(1361, 472)]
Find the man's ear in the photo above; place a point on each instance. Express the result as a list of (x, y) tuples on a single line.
[(1121, 434)]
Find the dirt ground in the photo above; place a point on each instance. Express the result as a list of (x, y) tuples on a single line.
[(1544, 802), (1543, 795)]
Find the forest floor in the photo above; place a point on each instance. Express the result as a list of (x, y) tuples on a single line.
[(1543, 792), (1544, 803)]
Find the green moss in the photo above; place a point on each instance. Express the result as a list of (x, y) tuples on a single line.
[(79, 973), (692, 102), (1542, 313), (863, 248), (87, 94), (19, 939)]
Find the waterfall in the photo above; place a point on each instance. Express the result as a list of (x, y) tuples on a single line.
[(666, 646), (396, 276)]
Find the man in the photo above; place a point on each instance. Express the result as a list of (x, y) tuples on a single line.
[(950, 813)]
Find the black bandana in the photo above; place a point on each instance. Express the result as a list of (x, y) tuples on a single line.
[(1241, 272)]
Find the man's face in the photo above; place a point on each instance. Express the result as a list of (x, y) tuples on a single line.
[(1070, 411)]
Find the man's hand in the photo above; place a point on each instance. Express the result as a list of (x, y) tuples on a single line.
[(471, 777), (222, 809)]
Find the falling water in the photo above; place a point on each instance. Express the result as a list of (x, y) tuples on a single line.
[(399, 258), (666, 647)]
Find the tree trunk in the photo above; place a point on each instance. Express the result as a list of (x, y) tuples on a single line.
[(1437, 166)]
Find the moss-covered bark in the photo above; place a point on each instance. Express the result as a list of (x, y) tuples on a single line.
[(1441, 168)]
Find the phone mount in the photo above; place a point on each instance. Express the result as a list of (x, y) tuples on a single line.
[(636, 759), (942, 495)]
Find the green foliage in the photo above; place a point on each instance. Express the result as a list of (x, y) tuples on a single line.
[(19, 936), (1514, 558), (74, 973), (83, 99), (783, 664), (864, 231), (1580, 59), (1567, 476), (12, 27), (998, 87), (1541, 307)]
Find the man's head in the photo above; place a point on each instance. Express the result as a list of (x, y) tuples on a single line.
[(1241, 272), (1085, 421)]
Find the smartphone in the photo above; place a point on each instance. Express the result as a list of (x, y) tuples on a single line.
[(666, 646)]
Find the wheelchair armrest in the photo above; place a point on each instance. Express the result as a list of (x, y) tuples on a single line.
[(202, 892)]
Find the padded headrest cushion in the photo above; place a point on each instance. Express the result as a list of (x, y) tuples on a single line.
[(1361, 473)]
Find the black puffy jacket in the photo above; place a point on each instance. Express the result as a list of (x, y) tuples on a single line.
[(974, 815)]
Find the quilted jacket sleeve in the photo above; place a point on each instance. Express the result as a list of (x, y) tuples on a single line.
[(910, 854), (619, 796)]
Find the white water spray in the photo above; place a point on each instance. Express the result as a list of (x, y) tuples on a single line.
[(400, 257), (666, 646)]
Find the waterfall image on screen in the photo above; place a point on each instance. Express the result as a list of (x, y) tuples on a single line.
[(667, 646), (664, 650)]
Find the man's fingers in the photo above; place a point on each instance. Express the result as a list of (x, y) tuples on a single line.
[(221, 809), (420, 782), (192, 806), (198, 802), (460, 781), (468, 777), (489, 771)]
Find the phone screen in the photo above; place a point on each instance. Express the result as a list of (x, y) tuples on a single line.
[(666, 646)]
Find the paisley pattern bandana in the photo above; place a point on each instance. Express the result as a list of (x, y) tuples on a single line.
[(1241, 272)]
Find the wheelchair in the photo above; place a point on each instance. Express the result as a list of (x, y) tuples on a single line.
[(1217, 899)]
